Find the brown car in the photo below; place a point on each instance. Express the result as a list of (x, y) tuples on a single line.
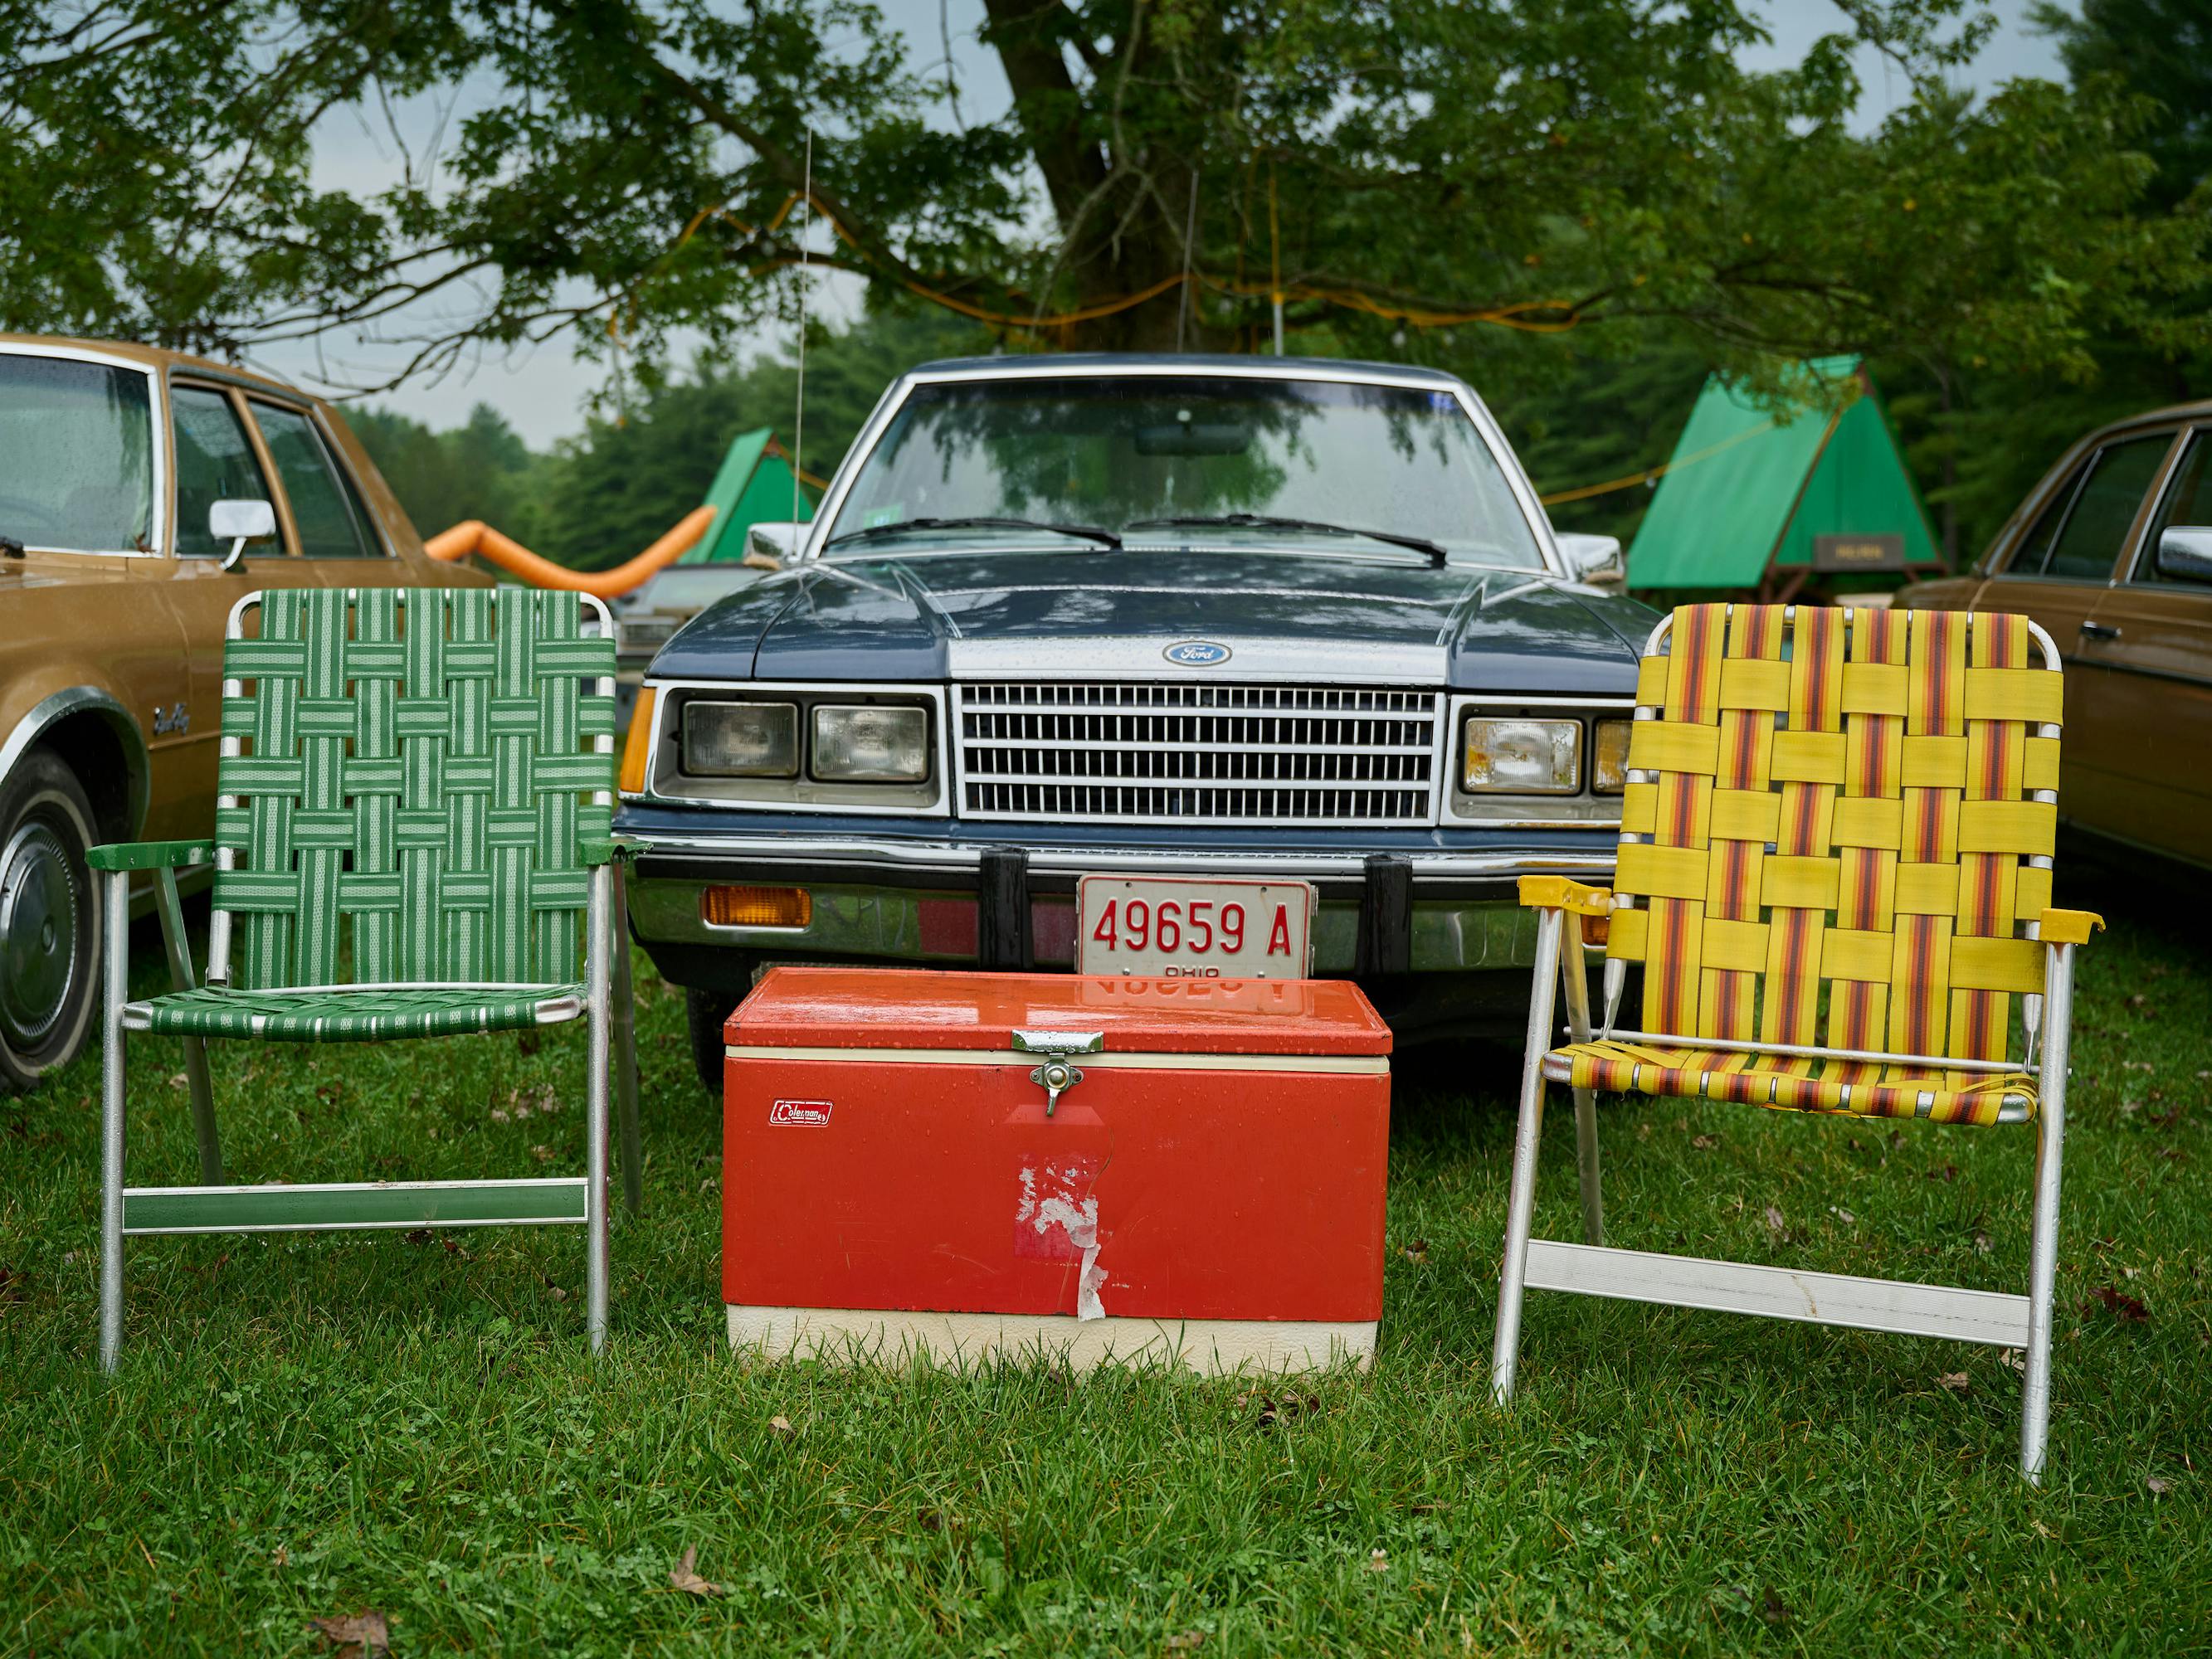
[(2111, 555), (141, 494)]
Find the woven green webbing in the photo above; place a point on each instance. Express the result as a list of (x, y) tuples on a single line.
[(418, 762)]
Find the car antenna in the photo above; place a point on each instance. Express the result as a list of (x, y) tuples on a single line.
[(799, 414)]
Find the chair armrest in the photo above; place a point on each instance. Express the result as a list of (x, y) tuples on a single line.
[(2068, 926), (150, 855), (604, 849), (1558, 893)]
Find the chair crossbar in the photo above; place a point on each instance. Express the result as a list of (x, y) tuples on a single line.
[(353, 1206), (1807, 1051), (1866, 1305)]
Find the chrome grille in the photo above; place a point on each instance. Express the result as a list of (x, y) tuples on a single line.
[(1177, 753)]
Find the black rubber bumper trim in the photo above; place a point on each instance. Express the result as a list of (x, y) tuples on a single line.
[(1002, 911), (1385, 917)]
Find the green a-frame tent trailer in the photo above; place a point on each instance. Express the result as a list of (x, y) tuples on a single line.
[(1755, 505), (757, 481)]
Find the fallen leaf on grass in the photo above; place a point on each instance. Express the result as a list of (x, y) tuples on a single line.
[(2042, 1531), (1185, 1641), (282, 1558), (1843, 1216), (1957, 1381), (357, 1635), (689, 1582), (1378, 1560), (781, 1426), (541, 1153), (176, 1080), (2128, 1309), (2012, 1358), (2158, 1486), (1981, 1240), (1948, 1172), (1416, 1252), (1704, 1143), (1774, 1222), (418, 1235), (1772, 1608)]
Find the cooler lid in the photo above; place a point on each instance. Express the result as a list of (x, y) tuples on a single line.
[(924, 1008)]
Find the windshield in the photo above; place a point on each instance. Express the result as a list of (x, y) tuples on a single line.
[(1116, 451), (76, 464)]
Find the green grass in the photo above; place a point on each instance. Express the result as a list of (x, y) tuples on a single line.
[(310, 1426)]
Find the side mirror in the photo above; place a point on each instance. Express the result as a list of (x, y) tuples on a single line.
[(1593, 559), (238, 523), (773, 542), (2185, 554)]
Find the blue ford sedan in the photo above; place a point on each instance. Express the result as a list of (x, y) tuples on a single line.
[(1218, 667)]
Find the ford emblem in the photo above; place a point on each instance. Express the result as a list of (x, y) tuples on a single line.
[(1196, 653)]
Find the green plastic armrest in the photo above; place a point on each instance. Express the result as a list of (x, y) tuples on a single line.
[(150, 855), (601, 849)]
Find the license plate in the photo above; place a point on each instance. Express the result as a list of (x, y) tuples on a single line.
[(1194, 927)]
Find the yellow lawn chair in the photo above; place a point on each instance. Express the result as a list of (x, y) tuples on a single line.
[(1855, 802)]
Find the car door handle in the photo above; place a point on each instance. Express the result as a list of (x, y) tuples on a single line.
[(2097, 630)]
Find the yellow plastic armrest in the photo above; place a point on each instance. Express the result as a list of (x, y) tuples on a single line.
[(1558, 893), (2068, 926)]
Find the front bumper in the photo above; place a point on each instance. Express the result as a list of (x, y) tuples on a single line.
[(1426, 902)]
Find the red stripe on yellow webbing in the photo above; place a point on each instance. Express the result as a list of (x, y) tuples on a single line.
[(1793, 983), (2000, 639), (1920, 984), (1816, 669), (1671, 965), (1935, 686), (1694, 664)]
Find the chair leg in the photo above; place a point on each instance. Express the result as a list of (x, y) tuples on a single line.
[(115, 975), (2043, 1248), (595, 1127), (1520, 1207), (1574, 973), (625, 1026), (196, 1066)]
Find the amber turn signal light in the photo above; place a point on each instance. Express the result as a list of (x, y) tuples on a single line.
[(756, 906), (637, 747)]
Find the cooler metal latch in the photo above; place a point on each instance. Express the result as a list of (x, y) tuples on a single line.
[(1056, 1076)]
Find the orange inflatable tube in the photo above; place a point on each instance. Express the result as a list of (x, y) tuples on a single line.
[(474, 536)]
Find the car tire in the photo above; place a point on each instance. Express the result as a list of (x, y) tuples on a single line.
[(49, 921), (704, 1012)]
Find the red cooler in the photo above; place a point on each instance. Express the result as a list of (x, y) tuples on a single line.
[(960, 1164)]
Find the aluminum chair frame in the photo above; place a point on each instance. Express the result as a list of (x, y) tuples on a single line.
[(1594, 1268), (213, 1207)]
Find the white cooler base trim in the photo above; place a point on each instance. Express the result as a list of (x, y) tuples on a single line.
[(1209, 1346)]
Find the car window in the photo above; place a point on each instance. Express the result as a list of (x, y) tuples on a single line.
[(330, 520), (76, 456), (215, 463), (2188, 506), (2091, 521)]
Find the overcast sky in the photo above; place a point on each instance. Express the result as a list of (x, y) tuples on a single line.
[(543, 391)]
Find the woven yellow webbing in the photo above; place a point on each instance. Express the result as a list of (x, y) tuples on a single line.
[(1840, 816)]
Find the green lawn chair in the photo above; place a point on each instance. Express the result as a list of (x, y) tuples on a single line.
[(418, 773)]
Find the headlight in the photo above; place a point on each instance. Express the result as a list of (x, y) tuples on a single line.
[(740, 739), (1523, 758), (868, 744), (1609, 764)]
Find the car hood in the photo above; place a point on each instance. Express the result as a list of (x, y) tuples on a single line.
[(945, 615)]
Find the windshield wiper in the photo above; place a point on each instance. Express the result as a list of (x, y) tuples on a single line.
[(1269, 521), (1088, 532)]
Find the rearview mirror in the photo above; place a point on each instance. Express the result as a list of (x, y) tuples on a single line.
[(238, 523), (1593, 559), (772, 543), (2185, 554), (1193, 438)]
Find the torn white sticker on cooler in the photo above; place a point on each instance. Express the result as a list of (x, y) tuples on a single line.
[(1056, 1219)]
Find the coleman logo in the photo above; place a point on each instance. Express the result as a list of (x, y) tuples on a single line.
[(800, 1114)]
